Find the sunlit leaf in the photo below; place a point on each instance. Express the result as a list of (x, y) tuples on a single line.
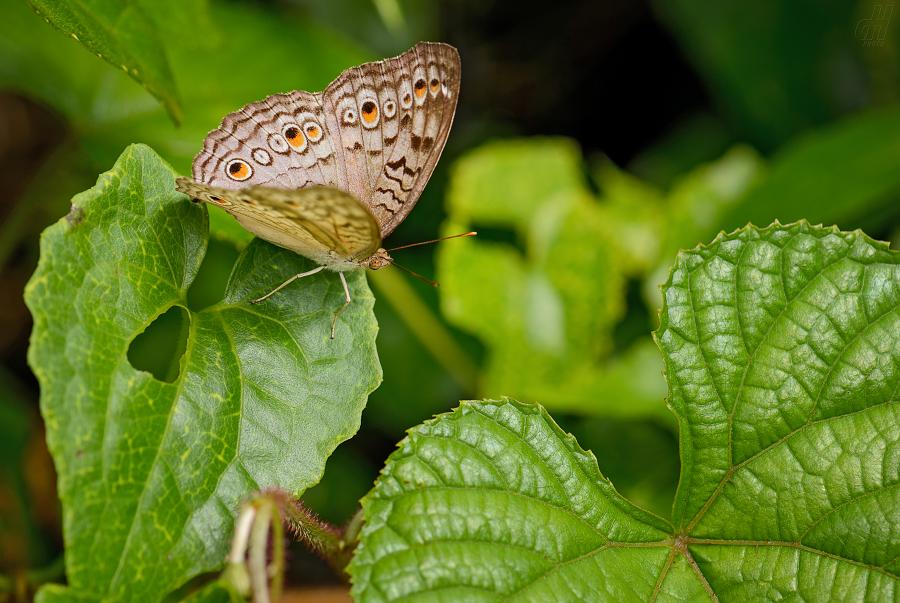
[(783, 363), (494, 502)]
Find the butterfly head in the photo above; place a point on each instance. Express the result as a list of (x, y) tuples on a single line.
[(377, 260)]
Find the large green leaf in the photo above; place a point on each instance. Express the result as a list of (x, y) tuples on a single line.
[(494, 502), (782, 357), (546, 313), (151, 473)]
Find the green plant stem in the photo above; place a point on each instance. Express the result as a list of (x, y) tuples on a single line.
[(259, 539), (427, 328)]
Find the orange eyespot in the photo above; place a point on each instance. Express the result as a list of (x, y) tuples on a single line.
[(294, 137), (390, 108), (369, 112), (239, 170), (420, 88), (435, 84), (313, 132)]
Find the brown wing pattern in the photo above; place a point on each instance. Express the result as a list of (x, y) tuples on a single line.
[(281, 141), (394, 117), (376, 132)]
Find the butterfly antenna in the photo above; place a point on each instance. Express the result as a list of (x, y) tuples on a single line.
[(468, 234), (432, 283)]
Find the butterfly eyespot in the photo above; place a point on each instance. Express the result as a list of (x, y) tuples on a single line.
[(238, 170), (349, 116), (390, 109), (420, 88), (277, 143), (435, 84), (294, 135), (444, 89), (313, 131), (369, 112), (217, 200), (262, 157)]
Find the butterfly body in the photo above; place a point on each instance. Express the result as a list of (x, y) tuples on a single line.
[(330, 175)]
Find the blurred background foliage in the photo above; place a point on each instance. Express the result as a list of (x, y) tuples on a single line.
[(593, 139)]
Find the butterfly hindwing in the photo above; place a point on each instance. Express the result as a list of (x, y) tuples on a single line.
[(324, 224)]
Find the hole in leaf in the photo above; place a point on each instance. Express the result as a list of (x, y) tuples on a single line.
[(158, 350), (208, 287)]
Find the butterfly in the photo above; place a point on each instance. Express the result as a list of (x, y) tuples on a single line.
[(330, 175)]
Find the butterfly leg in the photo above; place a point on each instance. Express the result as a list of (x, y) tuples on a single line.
[(346, 303), (288, 282)]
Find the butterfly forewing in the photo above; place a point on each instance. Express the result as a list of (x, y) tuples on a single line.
[(427, 83)]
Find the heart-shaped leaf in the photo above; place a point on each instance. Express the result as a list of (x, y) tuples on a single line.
[(151, 473), (783, 360)]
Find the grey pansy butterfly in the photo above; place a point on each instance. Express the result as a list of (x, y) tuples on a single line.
[(330, 175)]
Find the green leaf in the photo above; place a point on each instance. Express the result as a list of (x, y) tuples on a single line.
[(772, 66), (124, 35), (151, 473), (783, 362), (845, 174), (108, 111), (495, 502), (546, 313)]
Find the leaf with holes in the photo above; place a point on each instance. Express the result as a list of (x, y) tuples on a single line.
[(151, 473), (783, 361)]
